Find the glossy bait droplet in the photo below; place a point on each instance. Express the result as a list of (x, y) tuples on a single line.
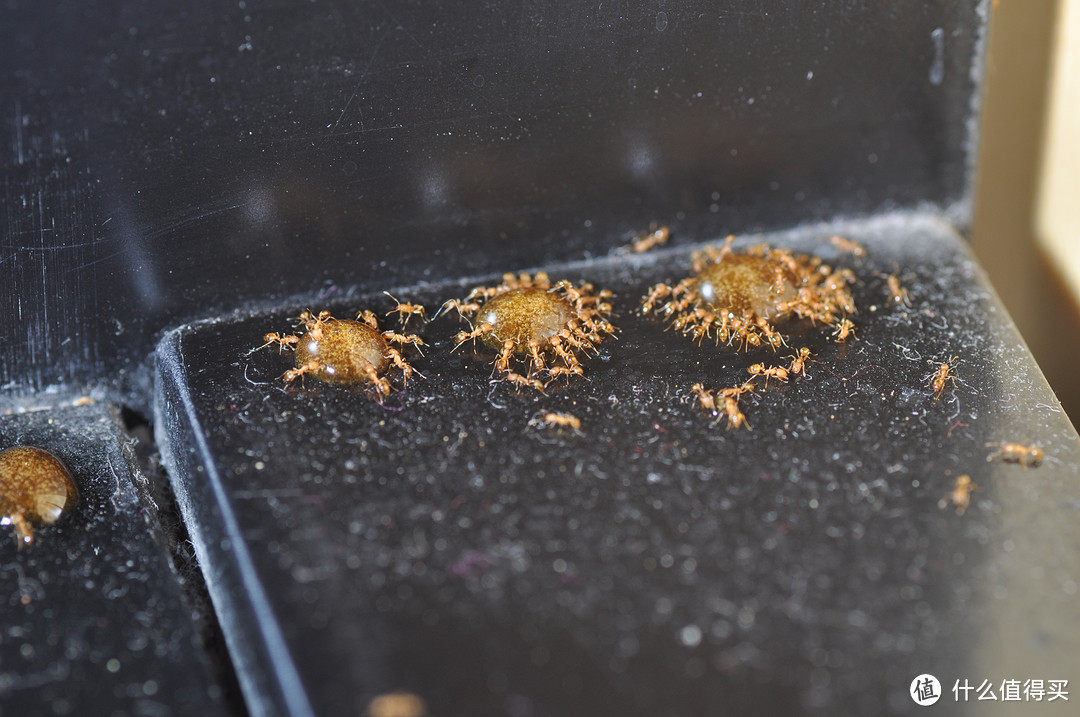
[(347, 352), (35, 489), (542, 328), (524, 315), (747, 284), (740, 298)]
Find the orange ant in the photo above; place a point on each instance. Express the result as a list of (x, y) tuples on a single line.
[(897, 292), (961, 494), (651, 240), (852, 247), (522, 381), (284, 341), (559, 420), (940, 378), (312, 323), (736, 391), (705, 398), (736, 418), (464, 337), (777, 372), (844, 330), (405, 339), (847, 245), (1027, 456), (406, 311), (556, 371), (798, 361)]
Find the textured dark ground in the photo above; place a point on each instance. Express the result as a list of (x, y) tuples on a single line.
[(93, 618), (654, 563)]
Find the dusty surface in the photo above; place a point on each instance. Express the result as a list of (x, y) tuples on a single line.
[(651, 562), (92, 614)]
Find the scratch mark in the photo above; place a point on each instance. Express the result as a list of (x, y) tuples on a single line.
[(857, 372), (18, 132), (44, 272), (39, 232), (937, 67), (359, 83), (183, 222), (112, 499), (956, 413), (80, 268), (345, 109)]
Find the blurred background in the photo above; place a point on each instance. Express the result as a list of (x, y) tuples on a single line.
[(1027, 199)]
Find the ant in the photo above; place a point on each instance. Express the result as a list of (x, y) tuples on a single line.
[(940, 378), (406, 311), (961, 494), (736, 418), (561, 420), (759, 370), (844, 330), (1027, 456), (852, 247), (798, 361), (705, 398), (897, 292), (651, 240)]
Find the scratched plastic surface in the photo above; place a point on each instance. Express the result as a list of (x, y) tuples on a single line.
[(655, 563), (160, 162), (92, 617)]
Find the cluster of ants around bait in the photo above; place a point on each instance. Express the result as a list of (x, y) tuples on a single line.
[(544, 327), (345, 351), (541, 331), (738, 298)]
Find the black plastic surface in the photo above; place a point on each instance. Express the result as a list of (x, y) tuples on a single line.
[(162, 162), (93, 621), (655, 563)]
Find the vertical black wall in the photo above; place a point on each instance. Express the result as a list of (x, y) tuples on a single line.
[(161, 161)]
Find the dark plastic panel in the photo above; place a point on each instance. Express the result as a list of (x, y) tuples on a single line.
[(655, 563), (161, 162), (93, 621)]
